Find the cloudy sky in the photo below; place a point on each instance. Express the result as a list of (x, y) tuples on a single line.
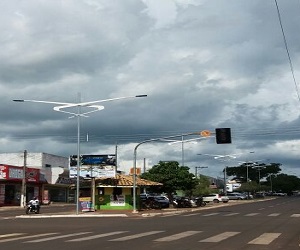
[(203, 64)]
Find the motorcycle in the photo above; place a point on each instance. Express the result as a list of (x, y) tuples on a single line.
[(32, 209), (199, 202), (181, 202)]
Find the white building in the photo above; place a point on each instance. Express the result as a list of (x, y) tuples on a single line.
[(51, 184), (51, 166)]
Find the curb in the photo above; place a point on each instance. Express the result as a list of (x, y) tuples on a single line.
[(69, 216)]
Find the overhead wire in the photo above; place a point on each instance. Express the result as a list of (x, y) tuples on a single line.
[(287, 50)]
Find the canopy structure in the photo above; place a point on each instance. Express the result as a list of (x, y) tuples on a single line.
[(124, 181)]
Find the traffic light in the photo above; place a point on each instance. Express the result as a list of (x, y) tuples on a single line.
[(223, 135)]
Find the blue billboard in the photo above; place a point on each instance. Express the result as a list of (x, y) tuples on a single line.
[(93, 166)]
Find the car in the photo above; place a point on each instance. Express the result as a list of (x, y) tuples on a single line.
[(236, 196), (216, 198), (160, 201)]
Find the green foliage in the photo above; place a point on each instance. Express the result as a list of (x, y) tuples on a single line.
[(202, 187), (172, 176), (283, 183), (255, 171)]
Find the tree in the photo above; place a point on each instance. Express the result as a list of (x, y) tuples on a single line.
[(202, 186), (283, 183), (172, 176), (255, 171)]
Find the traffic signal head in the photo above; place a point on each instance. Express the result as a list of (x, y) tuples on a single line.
[(223, 135)]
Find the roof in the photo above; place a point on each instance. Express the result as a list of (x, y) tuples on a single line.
[(124, 181)]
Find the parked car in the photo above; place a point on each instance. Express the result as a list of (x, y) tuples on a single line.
[(216, 198), (163, 200), (249, 196), (154, 201), (236, 196)]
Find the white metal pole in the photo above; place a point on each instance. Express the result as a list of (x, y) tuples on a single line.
[(23, 188), (78, 156)]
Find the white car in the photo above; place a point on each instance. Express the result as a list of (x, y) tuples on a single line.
[(216, 198)]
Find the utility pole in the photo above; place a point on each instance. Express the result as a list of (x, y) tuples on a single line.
[(144, 170), (116, 155), (196, 170), (23, 189), (196, 174), (225, 180)]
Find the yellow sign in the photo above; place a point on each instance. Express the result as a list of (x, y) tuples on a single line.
[(205, 133)]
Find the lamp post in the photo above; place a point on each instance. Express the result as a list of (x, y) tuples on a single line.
[(94, 106), (259, 168), (196, 168), (224, 158), (135, 156)]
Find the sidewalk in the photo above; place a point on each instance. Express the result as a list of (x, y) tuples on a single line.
[(70, 211)]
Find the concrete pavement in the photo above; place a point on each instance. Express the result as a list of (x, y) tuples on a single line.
[(69, 210)]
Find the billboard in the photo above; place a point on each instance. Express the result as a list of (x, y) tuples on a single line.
[(93, 166)]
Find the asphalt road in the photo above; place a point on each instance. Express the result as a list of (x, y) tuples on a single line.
[(271, 224)]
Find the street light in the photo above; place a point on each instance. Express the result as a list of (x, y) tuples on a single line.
[(182, 141), (259, 168), (224, 158), (135, 156), (66, 105), (196, 168)]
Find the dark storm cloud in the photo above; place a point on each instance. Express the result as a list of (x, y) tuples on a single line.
[(203, 64)]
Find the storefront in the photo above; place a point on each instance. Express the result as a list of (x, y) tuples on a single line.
[(12, 180), (114, 193)]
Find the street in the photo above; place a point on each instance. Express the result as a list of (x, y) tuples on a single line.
[(269, 224)]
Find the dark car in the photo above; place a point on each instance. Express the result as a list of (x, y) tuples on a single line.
[(163, 200), (154, 201)]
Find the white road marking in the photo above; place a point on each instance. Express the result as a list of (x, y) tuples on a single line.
[(265, 239), (231, 214), (187, 215), (26, 237), (96, 236), (252, 214), (135, 236), (178, 236), (10, 235), (295, 215), (206, 215), (168, 215), (56, 237), (274, 215), (220, 237)]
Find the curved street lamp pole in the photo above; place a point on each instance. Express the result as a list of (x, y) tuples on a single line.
[(135, 157), (94, 105)]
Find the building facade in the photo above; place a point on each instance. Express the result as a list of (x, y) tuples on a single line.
[(33, 174)]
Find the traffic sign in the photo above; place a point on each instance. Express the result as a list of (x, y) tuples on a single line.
[(205, 133)]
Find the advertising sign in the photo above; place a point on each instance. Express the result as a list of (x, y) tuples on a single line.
[(93, 166), (16, 173), (86, 204)]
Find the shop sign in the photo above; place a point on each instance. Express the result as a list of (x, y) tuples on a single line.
[(16, 173), (86, 204)]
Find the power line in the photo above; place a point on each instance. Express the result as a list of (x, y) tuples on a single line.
[(287, 50)]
